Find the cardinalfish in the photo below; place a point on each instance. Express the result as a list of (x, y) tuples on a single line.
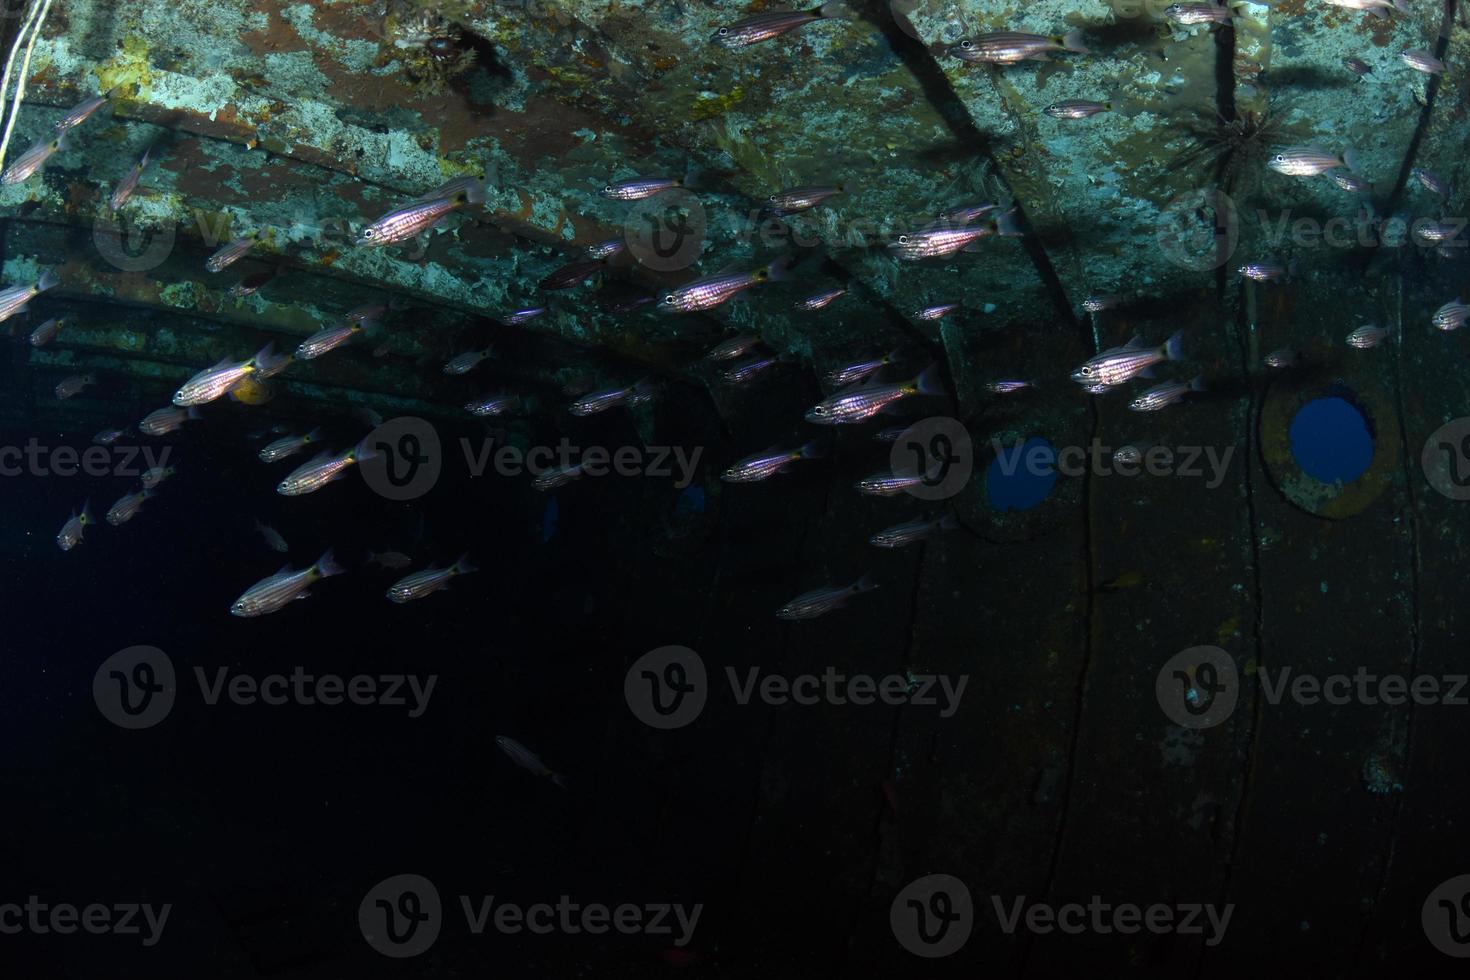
[(108, 436), (764, 465), (1280, 359), (127, 507), (273, 539), (603, 251), (1265, 270), (84, 111), (1368, 336), (14, 299), (891, 484), (634, 189), (1007, 386), (559, 477), (1134, 359), (572, 275), (166, 420), (820, 301), (326, 340), (522, 316), (937, 312), (799, 199), (252, 283), (412, 220), (492, 406), (214, 382), (728, 350), (1309, 161), (862, 403), (71, 532), (712, 291), (1101, 303), (288, 446), (155, 475), (276, 592), (46, 332), (1378, 8), (1421, 60), (73, 384), (903, 535), (943, 240), (389, 559), (810, 605), (1451, 316), (600, 401), (774, 23), (33, 159), (1430, 181), (1076, 109), (468, 361), (127, 185), (311, 476), (1166, 394), (748, 371), (527, 760), (851, 374), (232, 252), (1009, 47), (1194, 14), (431, 580)]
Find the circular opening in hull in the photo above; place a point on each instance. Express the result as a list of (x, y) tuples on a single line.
[(1021, 476), (1330, 440)]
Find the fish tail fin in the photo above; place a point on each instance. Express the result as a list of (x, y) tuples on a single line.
[(314, 435), (839, 9), (929, 381), (327, 565), (463, 566), (48, 280), (1350, 160), (1174, 347), (781, 269), (812, 450), (474, 192), (263, 358), (1008, 224), (191, 413), (363, 451), (1402, 6), (87, 512), (643, 391), (559, 780), (1198, 384), (1072, 41), (63, 140), (864, 584)]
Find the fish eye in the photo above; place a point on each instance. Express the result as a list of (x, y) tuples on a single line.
[(1086, 370), (1281, 158), (723, 31), (608, 189), (903, 239), (966, 44), (669, 299)]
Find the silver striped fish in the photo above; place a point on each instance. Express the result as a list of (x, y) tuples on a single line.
[(128, 184), (850, 374), (14, 299), (84, 111), (559, 477), (316, 473), (1133, 359), (153, 476), (1009, 47), (1076, 109), (231, 253), (774, 23), (429, 581), (1166, 394), (861, 403), (72, 384), (888, 484), (127, 507), (1420, 59), (748, 371), (467, 362), (71, 532), (902, 535), (493, 405), (635, 189), (711, 291), (326, 340), (820, 301), (936, 243), (46, 332), (412, 220), (166, 420), (1451, 316), (764, 465), (32, 160), (214, 382), (810, 605), (601, 401), (287, 446), (799, 199), (277, 591), (728, 350), (1309, 161), (527, 759), (607, 249)]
